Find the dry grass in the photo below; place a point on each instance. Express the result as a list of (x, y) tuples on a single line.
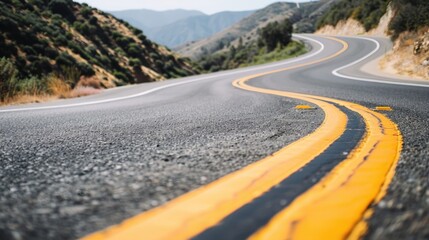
[(81, 91), (57, 89), (24, 98), (57, 86), (402, 59)]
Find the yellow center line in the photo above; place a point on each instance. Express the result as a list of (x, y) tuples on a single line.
[(336, 207), (332, 208), (192, 213)]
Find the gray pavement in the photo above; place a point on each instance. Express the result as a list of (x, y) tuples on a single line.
[(69, 171)]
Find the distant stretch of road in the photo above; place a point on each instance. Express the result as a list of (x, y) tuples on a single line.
[(228, 155)]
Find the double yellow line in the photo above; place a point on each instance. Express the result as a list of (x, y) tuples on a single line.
[(334, 208)]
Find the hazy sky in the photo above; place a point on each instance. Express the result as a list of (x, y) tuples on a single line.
[(207, 6)]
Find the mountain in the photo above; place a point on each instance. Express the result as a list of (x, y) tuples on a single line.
[(245, 29), (146, 20), (176, 27), (195, 28), (73, 44), (303, 17)]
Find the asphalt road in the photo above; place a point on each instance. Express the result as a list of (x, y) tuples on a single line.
[(72, 167)]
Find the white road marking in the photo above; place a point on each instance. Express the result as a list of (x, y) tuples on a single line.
[(322, 47), (175, 84), (336, 71)]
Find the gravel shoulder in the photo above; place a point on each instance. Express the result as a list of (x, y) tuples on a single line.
[(404, 211)]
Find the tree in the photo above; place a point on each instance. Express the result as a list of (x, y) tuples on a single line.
[(275, 34)]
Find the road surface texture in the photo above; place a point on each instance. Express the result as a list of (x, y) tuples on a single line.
[(73, 167)]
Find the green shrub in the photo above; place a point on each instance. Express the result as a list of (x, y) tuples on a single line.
[(91, 50), (20, 62), (86, 12), (77, 48), (116, 35), (51, 52), (86, 69), (7, 50), (168, 66), (120, 76), (70, 74), (104, 60), (32, 85), (93, 21), (61, 40), (26, 38), (410, 16), (39, 48), (137, 31), (8, 74), (134, 50), (135, 62), (123, 42), (154, 55), (32, 58), (65, 59), (29, 50), (9, 25), (47, 14), (367, 12), (40, 67), (63, 8)]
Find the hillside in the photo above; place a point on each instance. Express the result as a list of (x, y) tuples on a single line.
[(273, 43), (406, 22), (304, 19), (408, 15), (245, 29), (149, 20), (307, 16), (47, 45), (194, 28)]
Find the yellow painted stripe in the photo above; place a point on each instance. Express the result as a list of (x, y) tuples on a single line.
[(383, 108), (304, 107), (192, 213), (337, 206), (196, 211)]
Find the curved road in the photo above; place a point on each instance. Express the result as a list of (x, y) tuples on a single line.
[(73, 167)]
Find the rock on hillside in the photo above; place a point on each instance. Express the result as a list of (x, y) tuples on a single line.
[(410, 55), (421, 45), (78, 42)]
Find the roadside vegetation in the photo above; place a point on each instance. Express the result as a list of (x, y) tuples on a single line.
[(274, 43), (410, 15), (15, 89), (48, 43)]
